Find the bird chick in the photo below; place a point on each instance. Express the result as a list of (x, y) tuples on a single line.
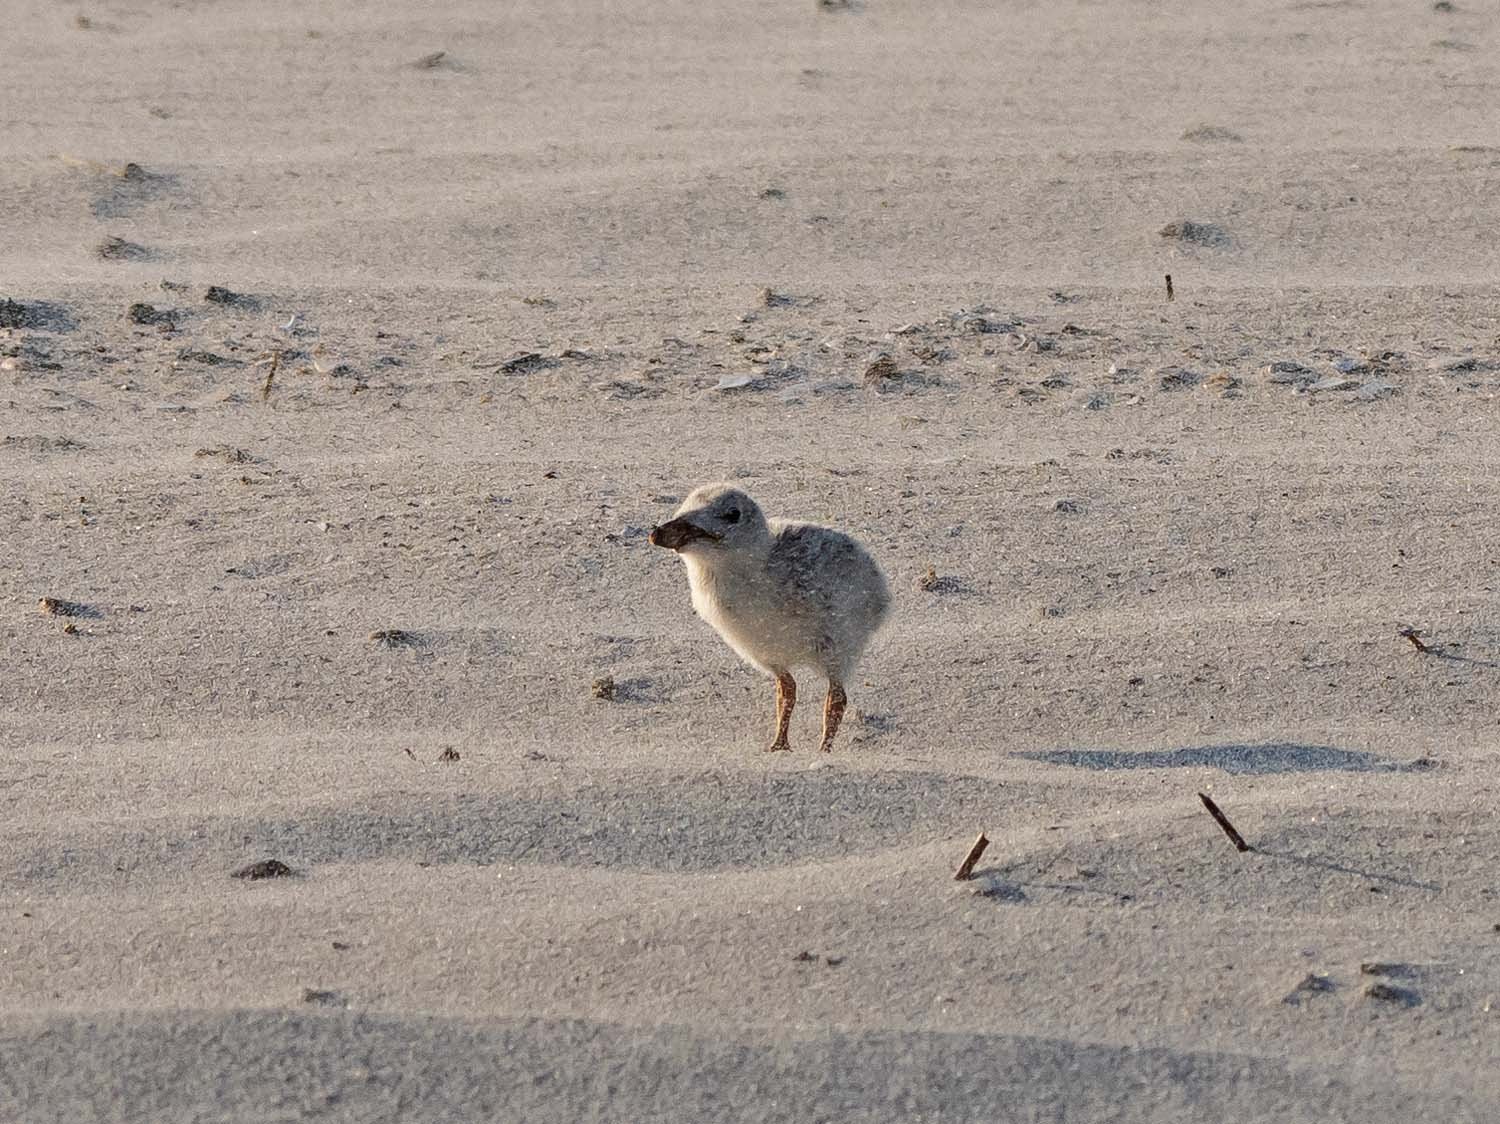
[(782, 594)]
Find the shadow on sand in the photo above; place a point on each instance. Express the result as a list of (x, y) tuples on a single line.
[(1339, 868), (1447, 653), (1234, 758), (33, 315)]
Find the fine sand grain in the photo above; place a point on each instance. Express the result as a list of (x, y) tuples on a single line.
[(348, 353)]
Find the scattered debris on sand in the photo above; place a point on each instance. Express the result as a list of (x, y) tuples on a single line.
[(207, 358), (1331, 382), (1376, 389), (524, 363), (40, 443), (217, 294), (1461, 364), (993, 886), (980, 321), (127, 188), (881, 369), (1391, 993), (930, 581), (118, 249), (1196, 233), (740, 382), (228, 454), (42, 315), (1285, 372), (1311, 985), (1392, 969), (1212, 134), (151, 316), (395, 638), (57, 607), (1178, 378), (265, 868)]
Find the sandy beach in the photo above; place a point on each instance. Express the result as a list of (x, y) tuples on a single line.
[(349, 353)]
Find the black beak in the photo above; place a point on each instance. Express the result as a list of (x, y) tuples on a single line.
[(677, 533)]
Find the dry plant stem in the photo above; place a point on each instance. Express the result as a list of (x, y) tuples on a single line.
[(1411, 634), (265, 391), (1223, 821), (833, 714), (966, 868), (786, 699), (1169, 288)]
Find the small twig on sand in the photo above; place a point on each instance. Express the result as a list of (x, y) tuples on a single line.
[(265, 391), (1169, 288), (966, 867), (1416, 640), (1234, 837)]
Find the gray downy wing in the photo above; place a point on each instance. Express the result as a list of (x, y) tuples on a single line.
[(812, 563)]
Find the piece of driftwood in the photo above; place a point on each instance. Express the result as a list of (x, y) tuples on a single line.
[(1416, 639), (1223, 821), (966, 868), (265, 390)]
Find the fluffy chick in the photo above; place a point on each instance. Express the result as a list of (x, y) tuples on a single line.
[(782, 594)]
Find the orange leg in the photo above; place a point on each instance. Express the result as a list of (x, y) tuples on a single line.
[(786, 698), (833, 714)]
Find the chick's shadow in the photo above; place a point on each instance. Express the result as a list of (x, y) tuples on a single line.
[(1235, 758)]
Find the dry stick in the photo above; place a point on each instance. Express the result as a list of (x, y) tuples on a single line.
[(1411, 634), (265, 391), (1169, 287), (1234, 837), (966, 867)]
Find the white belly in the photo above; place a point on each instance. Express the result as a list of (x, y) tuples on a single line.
[(757, 623)]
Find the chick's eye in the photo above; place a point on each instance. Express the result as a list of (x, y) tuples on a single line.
[(732, 515)]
